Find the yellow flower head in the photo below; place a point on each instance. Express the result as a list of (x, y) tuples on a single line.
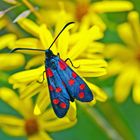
[(7, 61), (126, 59), (28, 124), (81, 47), (85, 12)]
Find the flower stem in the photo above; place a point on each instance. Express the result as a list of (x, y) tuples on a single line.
[(101, 122), (112, 114)]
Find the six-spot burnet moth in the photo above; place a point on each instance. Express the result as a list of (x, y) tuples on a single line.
[(64, 84)]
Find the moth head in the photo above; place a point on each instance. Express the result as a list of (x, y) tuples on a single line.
[(49, 53)]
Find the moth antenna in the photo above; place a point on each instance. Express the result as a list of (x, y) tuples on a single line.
[(16, 49), (60, 33)]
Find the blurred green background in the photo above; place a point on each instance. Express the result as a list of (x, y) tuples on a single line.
[(122, 118)]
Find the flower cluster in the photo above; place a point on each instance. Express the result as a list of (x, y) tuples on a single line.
[(125, 59), (36, 28)]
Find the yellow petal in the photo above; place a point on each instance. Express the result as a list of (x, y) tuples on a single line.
[(63, 40), (123, 83), (43, 100), (100, 72), (64, 20), (9, 61), (19, 85), (35, 61), (10, 97), (91, 67), (88, 62), (7, 40), (100, 95), (72, 111), (133, 17), (58, 124), (26, 108), (40, 136), (26, 76), (50, 14), (29, 26), (85, 23), (37, 110), (48, 115), (91, 56), (46, 38), (89, 72), (96, 20), (32, 89), (112, 6), (28, 43), (14, 131), (3, 23), (93, 102), (136, 90), (96, 47), (126, 33), (10, 1), (118, 51), (11, 120), (85, 39), (113, 68)]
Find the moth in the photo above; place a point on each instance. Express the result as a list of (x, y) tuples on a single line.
[(64, 84)]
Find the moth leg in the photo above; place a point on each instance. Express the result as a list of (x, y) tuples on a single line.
[(58, 54), (71, 62), (40, 82)]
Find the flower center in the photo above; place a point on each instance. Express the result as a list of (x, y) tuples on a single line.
[(31, 127), (81, 10)]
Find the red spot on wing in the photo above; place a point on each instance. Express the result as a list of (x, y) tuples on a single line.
[(49, 72), (56, 101), (71, 82), (81, 95), (51, 88), (62, 65), (63, 105), (82, 86), (74, 75), (58, 89)]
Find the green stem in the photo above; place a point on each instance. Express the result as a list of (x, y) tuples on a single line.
[(112, 114), (101, 122)]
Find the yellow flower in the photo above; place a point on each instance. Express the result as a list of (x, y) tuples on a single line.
[(126, 59), (9, 61), (81, 47), (86, 12), (11, 1), (29, 125), (3, 23)]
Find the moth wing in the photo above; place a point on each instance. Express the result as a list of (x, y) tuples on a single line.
[(58, 93), (75, 86)]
